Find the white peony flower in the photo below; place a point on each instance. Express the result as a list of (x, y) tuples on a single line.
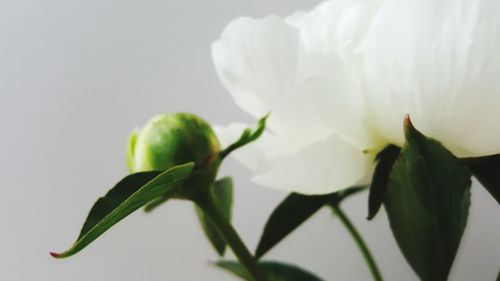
[(339, 79), (439, 61)]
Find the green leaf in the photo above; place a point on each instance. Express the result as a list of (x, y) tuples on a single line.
[(385, 159), (127, 196), (223, 196), (294, 210), (155, 203), (246, 137), (427, 204), (337, 197), (276, 271), (487, 171)]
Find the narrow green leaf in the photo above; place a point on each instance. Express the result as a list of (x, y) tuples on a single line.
[(155, 203), (223, 196), (427, 204), (487, 172), (119, 193), (276, 271), (337, 197), (290, 214), (246, 137), (294, 210), (385, 159), (127, 196)]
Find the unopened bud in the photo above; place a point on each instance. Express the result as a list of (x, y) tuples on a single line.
[(172, 139)]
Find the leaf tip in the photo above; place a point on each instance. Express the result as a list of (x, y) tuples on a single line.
[(407, 121), (410, 131), (55, 255), (222, 251), (264, 118)]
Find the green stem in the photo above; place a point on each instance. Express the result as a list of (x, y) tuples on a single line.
[(234, 241), (360, 242)]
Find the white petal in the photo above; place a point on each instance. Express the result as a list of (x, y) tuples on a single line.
[(337, 100), (251, 56), (331, 34), (259, 155), (439, 61), (322, 167), (337, 25), (266, 66), (318, 127), (258, 62)]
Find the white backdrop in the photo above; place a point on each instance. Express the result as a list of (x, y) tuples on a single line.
[(77, 76)]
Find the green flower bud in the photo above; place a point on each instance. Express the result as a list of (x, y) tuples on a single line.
[(172, 139)]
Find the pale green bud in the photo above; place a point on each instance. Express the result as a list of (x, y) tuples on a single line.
[(172, 139)]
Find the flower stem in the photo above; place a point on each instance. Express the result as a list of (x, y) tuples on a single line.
[(359, 241), (207, 203)]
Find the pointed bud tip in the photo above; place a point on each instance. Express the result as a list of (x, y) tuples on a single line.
[(407, 121), (55, 255)]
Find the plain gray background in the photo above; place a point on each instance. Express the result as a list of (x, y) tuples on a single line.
[(77, 76)]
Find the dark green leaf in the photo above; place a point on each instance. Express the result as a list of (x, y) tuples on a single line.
[(487, 171), (427, 203), (119, 193), (385, 159), (337, 197), (294, 210), (246, 137), (127, 196), (223, 196), (289, 215), (276, 271), (153, 204)]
